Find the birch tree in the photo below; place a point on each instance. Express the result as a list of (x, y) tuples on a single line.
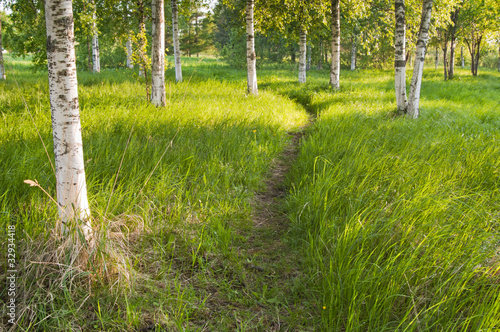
[(2, 67), (63, 92), (418, 68), (400, 55), (158, 97), (128, 47), (302, 55), (177, 50), (335, 68), (251, 58), (96, 58)]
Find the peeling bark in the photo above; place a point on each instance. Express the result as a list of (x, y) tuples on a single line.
[(251, 57), (418, 68), (177, 50), (335, 68), (400, 57), (303, 56), (63, 91), (158, 97)]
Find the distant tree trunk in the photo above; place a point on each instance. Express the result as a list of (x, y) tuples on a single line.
[(499, 58), (251, 58), (129, 53), (292, 53), (303, 56), (453, 38), (158, 97), (462, 60), (96, 59), (309, 56), (400, 61), (89, 54), (2, 67), (353, 53), (320, 60), (63, 91), (177, 50), (418, 68), (436, 59), (445, 59), (335, 69), (474, 46)]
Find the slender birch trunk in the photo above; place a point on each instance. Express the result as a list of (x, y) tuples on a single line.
[(158, 97), (418, 68), (445, 60), (335, 68), (353, 53), (128, 45), (400, 55), (63, 91), (453, 38), (251, 58), (436, 58), (303, 56), (2, 67), (96, 60), (320, 61), (462, 60), (177, 50), (309, 56)]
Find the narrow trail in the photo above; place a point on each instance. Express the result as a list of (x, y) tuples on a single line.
[(273, 268)]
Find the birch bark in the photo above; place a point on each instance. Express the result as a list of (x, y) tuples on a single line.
[(128, 45), (96, 59), (302, 56), (2, 67), (335, 68), (400, 55), (353, 53), (418, 68), (251, 58), (177, 50), (63, 92), (158, 97)]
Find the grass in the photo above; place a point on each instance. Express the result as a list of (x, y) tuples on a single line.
[(394, 223)]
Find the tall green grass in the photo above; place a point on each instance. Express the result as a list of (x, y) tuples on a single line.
[(399, 218)]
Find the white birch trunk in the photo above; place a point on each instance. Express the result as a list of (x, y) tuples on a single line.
[(335, 68), (96, 59), (251, 57), (418, 68), (2, 67), (400, 54), (353, 54), (302, 56), (129, 53), (177, 50), (309, 56), (462, 56), (158, 97), (63, 91)]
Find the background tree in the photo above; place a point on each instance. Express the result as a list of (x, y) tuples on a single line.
[(251, 57), (177, 50), (2, 67), (158, 97)]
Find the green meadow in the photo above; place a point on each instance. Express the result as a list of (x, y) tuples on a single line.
[(392, 224)]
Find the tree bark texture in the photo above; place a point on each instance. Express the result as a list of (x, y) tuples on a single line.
[(251, 57), (63, 92), (445, 59), (177, 50), (353, 53), (400, 56), (2, 67), (436, 58), (453, 39), (302, 56), (128, 45), (158, 97), (96, 59), (335, 68), (418, 68)]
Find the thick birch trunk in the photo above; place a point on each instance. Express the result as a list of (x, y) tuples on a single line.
[(436, 59), (462, 60), (303, 56), (96, 60), (418, 68), (63, 91), (400, 55), (177, 50), (335, 68), (353, 53), (2, 67), (129, 53), (251, 58), (158, 97)]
